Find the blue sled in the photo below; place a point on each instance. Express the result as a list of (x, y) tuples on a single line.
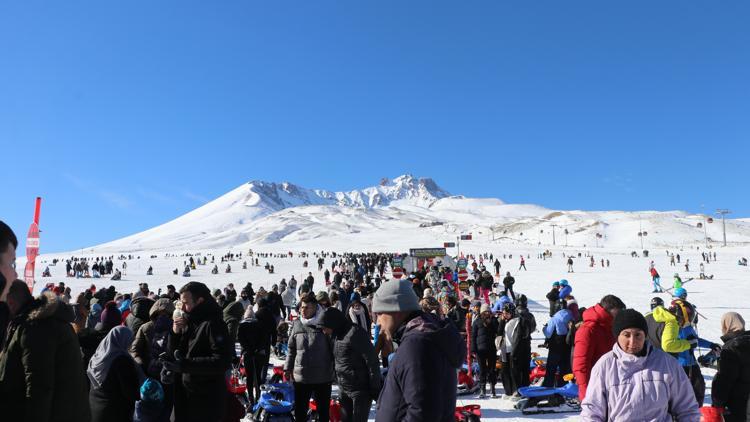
[(569, 390)]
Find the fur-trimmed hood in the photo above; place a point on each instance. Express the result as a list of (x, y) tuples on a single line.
[(49, 305)]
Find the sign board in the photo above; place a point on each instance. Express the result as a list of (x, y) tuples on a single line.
[(427, 252), (449, 244), (462, 263), (463, 285), (398, 272), (398, 262), (463, 275), (32, 250), (465, 237)]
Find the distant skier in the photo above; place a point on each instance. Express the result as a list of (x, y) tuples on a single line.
[(570, 264), (523, 264), (497, 267), (655, 278)]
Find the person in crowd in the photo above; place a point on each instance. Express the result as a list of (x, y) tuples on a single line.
[(730, 388), (201, 356), (357, 366), (115, 378), (424, 366), (483, 332), (309, 362), (42, 377), (635, 381), (556, 338), (594, 338)]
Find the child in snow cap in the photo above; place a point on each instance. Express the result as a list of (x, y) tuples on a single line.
[(151, 406)]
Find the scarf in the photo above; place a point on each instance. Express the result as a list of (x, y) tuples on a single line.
[(115, 344), (358, 317), (315, 320)]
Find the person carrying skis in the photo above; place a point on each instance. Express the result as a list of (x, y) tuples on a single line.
[(677, 281)]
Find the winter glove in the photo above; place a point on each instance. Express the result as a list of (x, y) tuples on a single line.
[(716, 348), (693, 340)]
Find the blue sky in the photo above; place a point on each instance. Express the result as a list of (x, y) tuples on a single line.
[(124, 115)]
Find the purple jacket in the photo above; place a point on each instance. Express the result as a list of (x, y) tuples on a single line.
[(626, 387)]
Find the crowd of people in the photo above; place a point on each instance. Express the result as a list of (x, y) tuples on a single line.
[(105, 355)]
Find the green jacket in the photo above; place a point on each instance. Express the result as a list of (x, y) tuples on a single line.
[(42, 378)]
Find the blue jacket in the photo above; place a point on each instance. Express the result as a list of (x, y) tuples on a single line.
[(498, 306), (687, 358), (421, 380), (565, 292), (558, 323)]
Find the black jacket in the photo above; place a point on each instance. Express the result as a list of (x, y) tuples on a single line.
[(552, 297), (114, 400), (42, 377), (483, 336), (731, 385), (357, 367), (139, 310), (421, 380), (207, 355), (232, 316), (458, 316), (509, 281)]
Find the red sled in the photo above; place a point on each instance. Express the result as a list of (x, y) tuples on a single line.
[(469, 413)]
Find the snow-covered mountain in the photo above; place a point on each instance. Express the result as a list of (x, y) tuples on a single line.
[(261, 212)]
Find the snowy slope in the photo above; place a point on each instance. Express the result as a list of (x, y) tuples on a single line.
[(258, 213)]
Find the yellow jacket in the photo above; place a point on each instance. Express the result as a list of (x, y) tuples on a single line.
[(670, 338)]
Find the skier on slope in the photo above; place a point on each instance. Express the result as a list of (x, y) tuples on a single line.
[(655, 279)]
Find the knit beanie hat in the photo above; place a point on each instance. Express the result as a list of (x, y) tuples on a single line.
[(111, 316), (151, 391), (322, 296), (395, 296), (732, 322), (629, 318)]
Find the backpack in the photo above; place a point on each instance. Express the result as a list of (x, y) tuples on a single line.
[(527, 323), (570, 338)]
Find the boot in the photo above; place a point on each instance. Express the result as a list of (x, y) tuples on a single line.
[(483, 391), (492, 389)]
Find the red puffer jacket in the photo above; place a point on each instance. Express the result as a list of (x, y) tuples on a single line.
[(594, 338)]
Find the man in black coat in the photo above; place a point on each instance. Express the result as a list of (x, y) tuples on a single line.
[(508, 283), (357, 366), (202, 354), (731, 385), (421, 381), (42, 377)]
